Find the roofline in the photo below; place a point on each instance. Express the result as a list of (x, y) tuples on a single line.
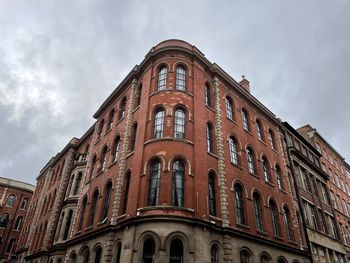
[(323, 139), (302, 138), (21, 185), (194, 51)]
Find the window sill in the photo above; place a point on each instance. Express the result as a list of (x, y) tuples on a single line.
[(243, 226), (129, 154), (282, 191), (274, 150), (254, 175), (270, 184), (261, 232), (236, 165), (108, 131), (137, 107), (212, 155), (249, 132), (262, 142), (98, 140), (112, 164), (210, 108), (168, 139), (120, 120), (88, 228), (99, 173), (292, 242), (232, 121), (278, 237)]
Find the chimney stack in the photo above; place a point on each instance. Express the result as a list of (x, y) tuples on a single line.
[(244, 83)]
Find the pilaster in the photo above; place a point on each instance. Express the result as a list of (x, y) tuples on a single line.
[(121, 173), (220, 154)]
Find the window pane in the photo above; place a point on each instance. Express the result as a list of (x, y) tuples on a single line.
[(153, 188), (179, 127), (180, 79), (158, 124), (162, 79), (178, 183)]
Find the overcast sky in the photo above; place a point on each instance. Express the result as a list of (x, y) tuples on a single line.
[(59, 60)]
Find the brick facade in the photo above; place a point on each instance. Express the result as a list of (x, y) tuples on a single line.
[(182, 163)]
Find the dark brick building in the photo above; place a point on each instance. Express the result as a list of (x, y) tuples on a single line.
[(14, 201), (183, 164)]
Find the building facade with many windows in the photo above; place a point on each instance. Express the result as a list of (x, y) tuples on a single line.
[(321, 231), (14, 202), (183, 164), (337, 169)]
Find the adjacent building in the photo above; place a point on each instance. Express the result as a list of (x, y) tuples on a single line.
[(335, 166), (324, 237), (183, 164), (14, 201)]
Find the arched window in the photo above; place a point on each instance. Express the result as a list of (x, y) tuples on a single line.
[(110, 119), (245, 256), (122, 108), (10, 201), (265, 259), (58, 230), (233, 150), (212, 198), (116, 149), (98, 254), (178, 183), (162, 76), (281, 260), (93, 166), (126, 191), (73, 258), (271, 139), (229, 108), (153, 186), (250, 159), (259, 130), (68, 224), (207, 95), (93, 207), (258, 212), (4, 219), (82, 212), (100, 128), (214, 254), (24, 203), (149, 248), (287, 222), (209, 138), (274, 219), (106, 201), (158, 123), (69, 188), (118, 252), (176, 251), (133, 137), (179, 124), (239, 204), (86, 255), (103, 159), (77, 183), (138, 96), (266, 170), (18, 223), (279, 177), (180, 78), (245, 120), (10, 246)]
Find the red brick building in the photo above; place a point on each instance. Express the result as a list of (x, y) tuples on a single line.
[(335, 166), (14, 202), (321, 230), (183, 164)]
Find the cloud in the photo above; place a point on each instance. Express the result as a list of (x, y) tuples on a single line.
[(59, 60)]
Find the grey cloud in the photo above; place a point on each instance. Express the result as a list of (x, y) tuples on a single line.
[(60, 59)]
